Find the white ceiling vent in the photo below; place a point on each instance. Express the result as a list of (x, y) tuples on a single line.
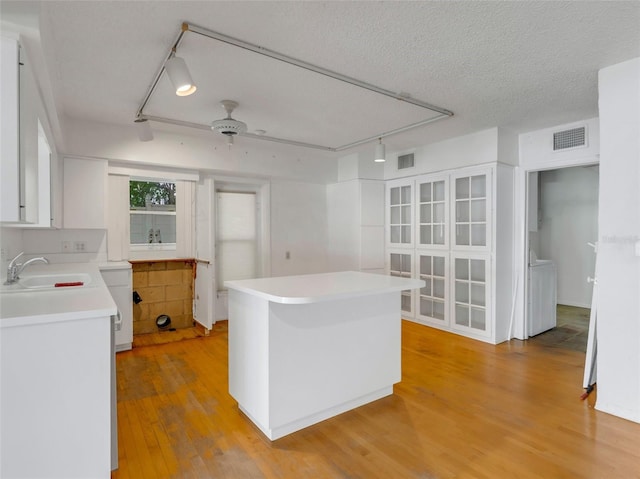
[(405, 161), (569, 139)]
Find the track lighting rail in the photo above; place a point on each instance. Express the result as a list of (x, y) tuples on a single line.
[(188, 27)]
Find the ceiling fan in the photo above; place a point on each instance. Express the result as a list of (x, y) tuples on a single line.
[(228, 126)]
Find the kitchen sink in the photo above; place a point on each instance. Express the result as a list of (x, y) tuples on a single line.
[(39, 282)]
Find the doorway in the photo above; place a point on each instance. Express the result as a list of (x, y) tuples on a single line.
[(562, 210), (241, 236)]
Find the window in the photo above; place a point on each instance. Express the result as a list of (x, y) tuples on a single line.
[(152, 211), (236, 236)]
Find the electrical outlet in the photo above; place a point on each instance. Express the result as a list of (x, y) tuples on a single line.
[(79, 246), (67, 246)]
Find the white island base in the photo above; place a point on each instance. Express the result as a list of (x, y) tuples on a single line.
[(303, 349)]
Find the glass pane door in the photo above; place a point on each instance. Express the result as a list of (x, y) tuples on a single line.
[(432, 213), (470, 292), (400, 214), (471, 203), (400, 266), (432, 298)]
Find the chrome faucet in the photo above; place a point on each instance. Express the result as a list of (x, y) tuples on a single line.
[(14, 269)]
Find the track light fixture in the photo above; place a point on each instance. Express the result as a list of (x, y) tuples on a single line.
[(144, 129), (379, 156), (179, 75)]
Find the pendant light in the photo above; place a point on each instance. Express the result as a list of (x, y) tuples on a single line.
[(179, 75), (144, 129), (379, 156)]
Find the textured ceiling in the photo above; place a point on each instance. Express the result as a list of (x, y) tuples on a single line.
[(518, 65)]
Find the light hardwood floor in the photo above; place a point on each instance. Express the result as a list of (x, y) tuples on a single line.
[(464, 409)]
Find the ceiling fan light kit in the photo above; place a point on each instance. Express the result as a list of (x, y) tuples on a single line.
[(228, 126), (181, 79), (144, 129)]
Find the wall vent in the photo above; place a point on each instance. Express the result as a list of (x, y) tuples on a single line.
[(405, 161), (567, 139)]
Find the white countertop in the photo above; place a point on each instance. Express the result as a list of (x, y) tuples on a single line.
[(314, 288), (24, 308)]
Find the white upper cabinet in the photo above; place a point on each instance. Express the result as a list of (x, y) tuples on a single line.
[(9, 146), (28, 161), (450, 234), (85, 193)]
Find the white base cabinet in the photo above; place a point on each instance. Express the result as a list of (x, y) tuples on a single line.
[(117, 277)]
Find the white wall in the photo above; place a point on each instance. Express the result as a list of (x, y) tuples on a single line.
[(536, 153), (468, 150), (619, 245), (298, 226), (568, 220)]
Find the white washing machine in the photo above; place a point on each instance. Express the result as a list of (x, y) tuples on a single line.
[(542, 296)]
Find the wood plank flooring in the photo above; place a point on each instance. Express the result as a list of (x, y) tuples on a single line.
[(464, 409)]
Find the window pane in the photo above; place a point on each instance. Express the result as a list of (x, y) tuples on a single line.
[(425, 234), (425, 192), (462, 268), (438, 213), (438, 234), (426, 307), (438, 191), (477, 294), (425, 265), (478, 186), (478, 210), (405, 303), (438, 288), (479, 235), (462, 234), (462, 315), (438, 309), (438, 266), (406, 195), (395, 215), (406, 215), (478, 319), (395, 234), (394, 194), (396, 263), (462, 211), (462, 188), (477, 270), (406, 263), (425, 213), (462, 292), (406, 234), (426, 291)]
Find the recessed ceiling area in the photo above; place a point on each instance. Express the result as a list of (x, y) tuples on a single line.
[(516, 65)]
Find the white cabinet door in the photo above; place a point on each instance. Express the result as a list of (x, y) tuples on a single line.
[(9, 146), (400, 213), (470, 284), (432, 212), (432, 301), (471, 216), (85, 188), (401, 265), (119, 283)]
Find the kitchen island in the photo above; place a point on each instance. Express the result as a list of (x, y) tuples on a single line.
[(306, 348)]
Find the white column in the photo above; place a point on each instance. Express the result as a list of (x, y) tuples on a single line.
[(618, 324)]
